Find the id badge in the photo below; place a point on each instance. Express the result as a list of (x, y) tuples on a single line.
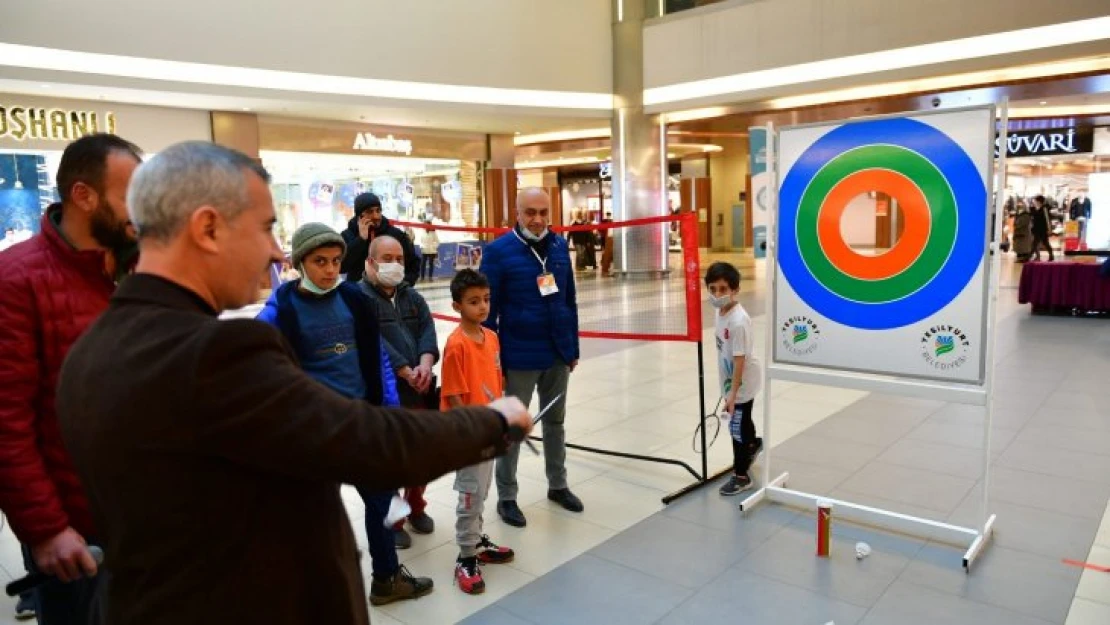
[(547, 285)]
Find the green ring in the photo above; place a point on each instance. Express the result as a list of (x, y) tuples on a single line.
[(942, 232)]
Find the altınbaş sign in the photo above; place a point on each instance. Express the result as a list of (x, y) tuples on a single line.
[(1047, 142), (367, 142), (43, 124)]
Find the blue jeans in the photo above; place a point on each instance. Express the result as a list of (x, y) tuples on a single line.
[(379, 538)]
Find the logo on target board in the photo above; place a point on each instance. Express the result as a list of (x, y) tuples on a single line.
[(945, 347), (799, 335), (943, 201)]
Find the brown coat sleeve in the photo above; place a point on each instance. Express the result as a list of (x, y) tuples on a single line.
[(257, 408)]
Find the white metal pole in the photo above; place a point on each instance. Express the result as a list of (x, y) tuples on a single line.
[(992, 299), (769, 293)]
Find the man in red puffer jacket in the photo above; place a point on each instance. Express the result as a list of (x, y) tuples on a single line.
[(52, 287)]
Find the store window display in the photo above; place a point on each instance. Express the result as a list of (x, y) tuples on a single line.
[(309, 187)]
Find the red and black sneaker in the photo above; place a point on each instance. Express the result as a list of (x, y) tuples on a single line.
[(468, 576), (489, 553)]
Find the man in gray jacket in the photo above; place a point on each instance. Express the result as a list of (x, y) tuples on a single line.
[(409, 336)]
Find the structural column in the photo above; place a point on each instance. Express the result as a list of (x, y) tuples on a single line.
[(639, 150)]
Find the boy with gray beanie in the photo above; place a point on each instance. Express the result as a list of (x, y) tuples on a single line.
[(333, 328)]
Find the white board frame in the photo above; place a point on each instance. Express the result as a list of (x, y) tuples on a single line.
[(974, 540)]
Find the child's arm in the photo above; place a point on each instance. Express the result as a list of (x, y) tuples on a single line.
[(737, 374), (455, 401)]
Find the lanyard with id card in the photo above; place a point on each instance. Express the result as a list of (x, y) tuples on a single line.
[(546, 280)]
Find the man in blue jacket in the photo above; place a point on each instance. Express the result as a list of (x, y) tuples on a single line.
[(333, 328), (534, 311)]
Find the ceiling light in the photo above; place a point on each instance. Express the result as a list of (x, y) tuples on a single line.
[(1044, 102), (1009, 42), (564, 135), (45, 86), (246, 108), (1061, 111), (53, 59)]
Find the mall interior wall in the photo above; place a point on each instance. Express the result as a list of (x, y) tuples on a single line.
[(562, 45), (743, 35), (728, 170)]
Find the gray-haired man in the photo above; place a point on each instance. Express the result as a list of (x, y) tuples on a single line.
[(212, 461)]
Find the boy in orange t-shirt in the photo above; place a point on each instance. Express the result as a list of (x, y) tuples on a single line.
[(472, 377)]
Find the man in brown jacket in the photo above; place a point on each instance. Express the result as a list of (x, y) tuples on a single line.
[(211, 460)]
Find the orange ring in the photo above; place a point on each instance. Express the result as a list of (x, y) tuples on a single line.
[(898, 258)]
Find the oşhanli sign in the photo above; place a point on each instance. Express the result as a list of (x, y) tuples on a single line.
[(917, 310), (28, 123)]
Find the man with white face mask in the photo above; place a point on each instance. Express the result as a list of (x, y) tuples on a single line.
[(409, 337), (333, 328)]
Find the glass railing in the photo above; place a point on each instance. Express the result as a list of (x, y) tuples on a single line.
[(659, 8)]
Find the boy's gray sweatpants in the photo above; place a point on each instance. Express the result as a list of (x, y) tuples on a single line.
[(472, 484)]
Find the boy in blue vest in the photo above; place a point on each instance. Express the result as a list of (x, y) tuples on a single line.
[(739, 371), (333, 328)]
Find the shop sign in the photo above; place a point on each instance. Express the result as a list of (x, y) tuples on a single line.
[(367, 142), (1047, 142), (605, 170), (43, 124)]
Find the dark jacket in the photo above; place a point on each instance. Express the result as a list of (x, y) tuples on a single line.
[(49, 294), (354, 261), (534, 330), (1041, 221), (408, 331), (213, 464), (373, 357)]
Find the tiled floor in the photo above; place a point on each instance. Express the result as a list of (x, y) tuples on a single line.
[(628, 559)]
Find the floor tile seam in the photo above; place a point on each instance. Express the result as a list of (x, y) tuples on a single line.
[(997, 463), (994, 499), (976, 478), (819, 593), (691, 590), (964, 597)]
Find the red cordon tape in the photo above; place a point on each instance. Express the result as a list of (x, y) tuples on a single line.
[(601, 335), (1087, 565), (644, 221), (691, 267)]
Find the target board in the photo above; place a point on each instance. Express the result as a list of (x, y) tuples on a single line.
[(917, 309)]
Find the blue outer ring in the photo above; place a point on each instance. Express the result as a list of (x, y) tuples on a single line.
[(971, 206)]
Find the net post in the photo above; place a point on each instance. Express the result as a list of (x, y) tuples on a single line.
[(701, 403)]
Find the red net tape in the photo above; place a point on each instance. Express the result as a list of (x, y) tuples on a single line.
[(655, 294)]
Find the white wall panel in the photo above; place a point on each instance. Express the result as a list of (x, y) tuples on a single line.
[(562, 45), (738, 37)]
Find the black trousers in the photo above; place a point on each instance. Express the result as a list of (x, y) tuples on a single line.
[(1038, 241), (744, 449)]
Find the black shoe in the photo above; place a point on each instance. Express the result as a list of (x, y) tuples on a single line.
[(511, 513), (25, 608), (566, 499), (401, 539), (422, 524), (736, 485), (403, 585)]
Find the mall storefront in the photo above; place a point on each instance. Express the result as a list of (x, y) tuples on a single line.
[(34, 131), (319, 167)]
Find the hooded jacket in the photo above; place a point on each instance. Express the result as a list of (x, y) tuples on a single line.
[(358, 249)]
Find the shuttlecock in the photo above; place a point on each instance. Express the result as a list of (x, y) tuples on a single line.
[(862, 550)]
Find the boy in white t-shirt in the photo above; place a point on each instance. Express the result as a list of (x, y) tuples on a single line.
[(739, 370)]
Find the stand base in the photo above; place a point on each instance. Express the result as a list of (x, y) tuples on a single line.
[(686, 490), (975, 540)]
